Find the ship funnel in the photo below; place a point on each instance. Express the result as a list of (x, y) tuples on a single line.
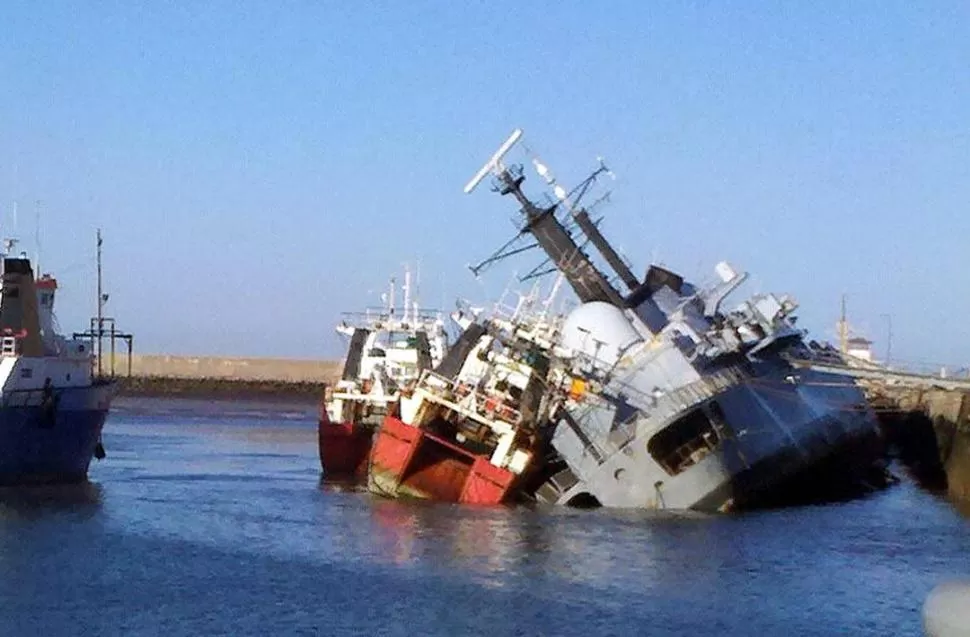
[(18, 306)]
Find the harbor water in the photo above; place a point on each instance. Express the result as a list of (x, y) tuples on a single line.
[(209, 518)]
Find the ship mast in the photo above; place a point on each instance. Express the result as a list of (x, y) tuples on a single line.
[(417, 291), (100, 317), (390, 299), (587, 225), (37, 238), (95, 333), (586, 280), (843, 330), (407, 292)]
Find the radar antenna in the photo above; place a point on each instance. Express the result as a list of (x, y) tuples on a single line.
[(570, 199), (549, 232), (494, 165)]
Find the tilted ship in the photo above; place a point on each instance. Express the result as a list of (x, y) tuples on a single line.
[(673, 400), (388, 350), (469, 430)]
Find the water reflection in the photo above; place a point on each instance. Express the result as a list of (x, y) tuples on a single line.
[(397, 530), (497, 546), (31, 502)]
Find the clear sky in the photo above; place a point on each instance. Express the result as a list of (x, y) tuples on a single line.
[(259, 167)]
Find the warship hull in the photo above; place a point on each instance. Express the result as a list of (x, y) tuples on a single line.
[(44, 445), (763, 441), (410, 462), (850, 469)]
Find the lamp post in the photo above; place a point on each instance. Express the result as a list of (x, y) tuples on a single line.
[(889, 337)]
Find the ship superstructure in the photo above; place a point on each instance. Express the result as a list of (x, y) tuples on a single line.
[(388, 350), (469, 430), (676, 400)]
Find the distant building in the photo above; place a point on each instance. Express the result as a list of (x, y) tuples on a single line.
[(859, 347)]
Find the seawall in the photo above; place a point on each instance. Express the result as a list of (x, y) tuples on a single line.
[(269, 369), (224, 377), (931, 431)]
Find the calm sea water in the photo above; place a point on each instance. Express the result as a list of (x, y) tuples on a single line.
[(209, 518)]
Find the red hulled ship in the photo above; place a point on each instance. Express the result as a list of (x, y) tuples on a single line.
[(389, 348), (468, 431)]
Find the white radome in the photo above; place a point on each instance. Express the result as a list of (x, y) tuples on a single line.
[(599, 330)]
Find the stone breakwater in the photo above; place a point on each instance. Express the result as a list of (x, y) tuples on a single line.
[(267, 369), (219, 388), (223, 377)]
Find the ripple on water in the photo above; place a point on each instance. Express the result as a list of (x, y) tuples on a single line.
[(221, 527)]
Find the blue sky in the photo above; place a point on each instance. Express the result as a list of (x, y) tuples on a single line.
[(260, 167)]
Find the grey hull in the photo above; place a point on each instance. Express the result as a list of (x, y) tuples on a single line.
[(769, 430)]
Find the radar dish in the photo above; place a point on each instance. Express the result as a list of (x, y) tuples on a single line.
[(495, 161)]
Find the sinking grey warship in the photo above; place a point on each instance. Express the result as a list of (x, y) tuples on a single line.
[(674, 400)]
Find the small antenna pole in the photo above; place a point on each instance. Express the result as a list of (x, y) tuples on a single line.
[(417, 289), (843, 330), (407, 291), (390, 299), (37, 236), (100, 304)]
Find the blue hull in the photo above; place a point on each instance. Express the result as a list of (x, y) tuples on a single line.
[(41, 446)]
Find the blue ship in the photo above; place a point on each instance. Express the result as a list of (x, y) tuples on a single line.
[(53, 404)]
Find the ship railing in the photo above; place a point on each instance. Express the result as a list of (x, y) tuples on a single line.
[(608, 443), (588, 365), (683, 398), (398, 318), (464, 399), (664, 409), (672, 404), (364, 398)]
